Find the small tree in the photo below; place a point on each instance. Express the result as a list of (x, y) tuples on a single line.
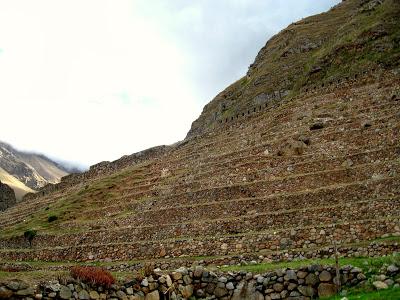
[(52, 218), (29, 235)]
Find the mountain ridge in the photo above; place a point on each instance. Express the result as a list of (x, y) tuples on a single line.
[(27, 172), (350, 38)]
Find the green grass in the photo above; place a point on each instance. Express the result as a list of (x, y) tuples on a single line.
[(389, 294), (68, 208), (370, 265), (353, 49), (32, 277)]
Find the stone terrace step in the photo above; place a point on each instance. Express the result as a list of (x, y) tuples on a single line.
[(19, 212), (265, 167), (279, 185), (258, 220), (144, 187), (340, 94), (277, 118), (277, 143), (279, 170), (182, 214), (28, 209), (364, 249), (350, 232), (205, 208), (339, 142), (323, 197), (234, 141)]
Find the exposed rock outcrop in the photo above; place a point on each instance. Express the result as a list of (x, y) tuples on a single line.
[(353, 37), (26, 172), (7, 197)]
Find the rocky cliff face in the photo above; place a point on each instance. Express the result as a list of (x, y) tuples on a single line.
[(26, 172), (353, 37), (7, 197)]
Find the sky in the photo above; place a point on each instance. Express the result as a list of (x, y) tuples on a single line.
[(85, 81)]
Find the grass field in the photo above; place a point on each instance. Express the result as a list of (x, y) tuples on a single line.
[(370, 265), (389, 294)]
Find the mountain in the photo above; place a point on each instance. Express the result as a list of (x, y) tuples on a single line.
[(352, 37), (296, 159), (27, 172)]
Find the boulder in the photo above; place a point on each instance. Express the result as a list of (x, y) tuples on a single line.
[(186, 291), (198, 272), (83, 295), (312, 279), (275, 296), (13, 285), (200, 293), (169, 281), (307, 291), (290, 275), (220, 292), (65, 293), (25, 292), (176, 276), (326, 290), (392, 269), (301, 274), (230, 286), (145, 282), (121, 295), (325, 276), (5, 293), (380, 285), (278, 287), (153, 296)]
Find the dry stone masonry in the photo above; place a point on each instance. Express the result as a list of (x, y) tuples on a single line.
[(249, 190), (309, 282), (292, 159)]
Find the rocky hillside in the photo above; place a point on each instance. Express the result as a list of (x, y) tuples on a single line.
[(353, 36), (7, 197), (26, 172), (298, 162)]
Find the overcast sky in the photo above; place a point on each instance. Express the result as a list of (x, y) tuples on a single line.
[(91, 80)]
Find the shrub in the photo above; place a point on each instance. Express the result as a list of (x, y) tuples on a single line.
[(29, 235), (93, 275), (52, 218)]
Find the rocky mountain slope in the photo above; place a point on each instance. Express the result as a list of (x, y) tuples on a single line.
[(353, 36), (26, 172), (7, 197), (19, 188), (314, 162)]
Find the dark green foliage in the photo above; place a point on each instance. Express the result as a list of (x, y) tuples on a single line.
[(29, 235), (52, 218)]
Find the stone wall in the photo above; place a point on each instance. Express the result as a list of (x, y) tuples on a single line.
[(309, 282), (7, 197), (153, 250), (264, 100), (101, 169)]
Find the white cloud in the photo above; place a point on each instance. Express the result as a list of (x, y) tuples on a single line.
[(93, 80)]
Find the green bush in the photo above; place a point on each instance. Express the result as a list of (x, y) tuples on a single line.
[(29, 235), (52, 218)]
